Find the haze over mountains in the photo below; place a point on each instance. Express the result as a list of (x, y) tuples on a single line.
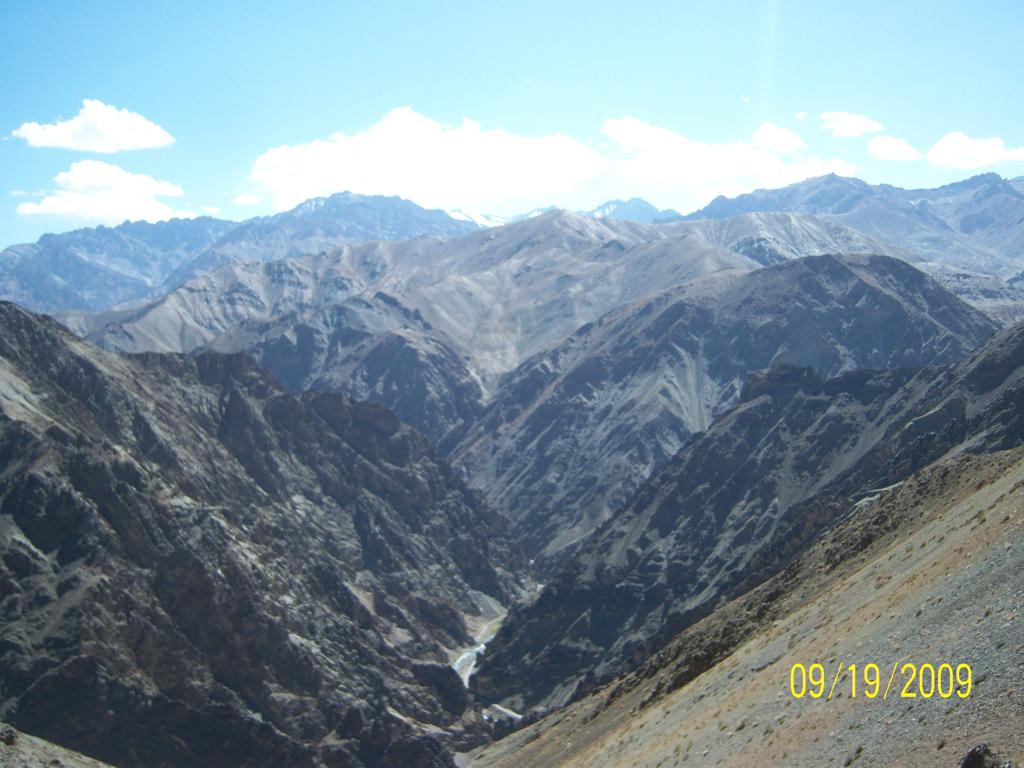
[(350, 436)]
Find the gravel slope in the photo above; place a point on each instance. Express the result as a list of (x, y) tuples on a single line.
[(942, 579)]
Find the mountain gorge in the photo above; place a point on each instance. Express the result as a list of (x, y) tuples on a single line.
[(463, 338), (271, 579), (739, 501)]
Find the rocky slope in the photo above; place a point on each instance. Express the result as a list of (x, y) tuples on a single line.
[(571, 433), (91, 269), (371, 347), (738, 502), (927, 571), (199, 569), (19, 750)]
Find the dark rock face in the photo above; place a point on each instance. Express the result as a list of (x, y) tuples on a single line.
[(198, 569), (982, 756), (571, 433), (738, 502)]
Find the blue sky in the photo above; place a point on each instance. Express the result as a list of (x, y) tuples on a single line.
[(247, 108)]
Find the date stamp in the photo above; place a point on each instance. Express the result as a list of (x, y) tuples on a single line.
[(905, 680)]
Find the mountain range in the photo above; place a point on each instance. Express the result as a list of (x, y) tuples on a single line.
[(91, 269), (972, 225), (962, 232), (96, 269), (284, 497)]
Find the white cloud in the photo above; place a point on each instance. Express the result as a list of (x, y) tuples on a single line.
[(800, 115), (437, 165), (471, 168), (684, 173), (97, 127), (889, 148), (248, 198), (958, 150), (745, 99), (777, 139), (847, 124), (19, 193), (211, 210), (98, 191)]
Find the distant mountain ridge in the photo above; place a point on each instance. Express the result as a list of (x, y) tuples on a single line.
[(975, 225), (974, 228), (319, 224), (634, 209), (96, 269), (92, 269)]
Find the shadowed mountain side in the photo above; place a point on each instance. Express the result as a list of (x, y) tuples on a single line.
[(738, 502), (370, 348), (570, 434), (200, 569)]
